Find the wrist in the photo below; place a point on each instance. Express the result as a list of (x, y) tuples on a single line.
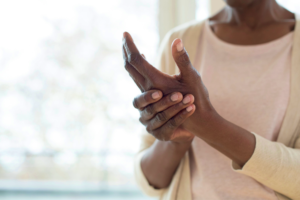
[(204, 122), (181, 146)]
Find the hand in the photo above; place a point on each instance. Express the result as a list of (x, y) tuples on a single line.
[(163, 116), (231, 140), (188, 81)]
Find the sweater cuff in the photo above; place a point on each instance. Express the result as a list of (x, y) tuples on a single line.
[(141, 179), (255, 167)]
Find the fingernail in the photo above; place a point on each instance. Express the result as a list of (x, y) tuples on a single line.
[(174, 97), (179, 46), (189, 109), (186, 100), (155, 95)]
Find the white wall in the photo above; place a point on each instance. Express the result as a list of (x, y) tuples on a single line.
[(173, 13), (215, 6)]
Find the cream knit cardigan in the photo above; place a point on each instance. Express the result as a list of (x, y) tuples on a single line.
[(274, 164)]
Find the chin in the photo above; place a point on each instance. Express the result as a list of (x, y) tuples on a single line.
[(239, 3)]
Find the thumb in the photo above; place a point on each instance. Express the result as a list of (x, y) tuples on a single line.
[(181, 58)]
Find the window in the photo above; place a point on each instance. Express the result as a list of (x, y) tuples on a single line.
[(291, 5), (202, 9), (66, 115)]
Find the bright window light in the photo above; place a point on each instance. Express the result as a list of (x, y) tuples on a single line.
[(65, 97)]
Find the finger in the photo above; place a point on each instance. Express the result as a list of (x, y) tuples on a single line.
[(135, 58), (162, 117), (165, 132), (147, 98), (135, 75), (151, 110), (181, 57), (133, 55)]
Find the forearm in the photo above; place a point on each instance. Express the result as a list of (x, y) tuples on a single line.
[(270, 163), (161, 160), (233, 141)]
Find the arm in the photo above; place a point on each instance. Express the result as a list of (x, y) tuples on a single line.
[(233, 141), (160, 161)]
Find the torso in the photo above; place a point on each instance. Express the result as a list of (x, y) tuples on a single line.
[(249, 86)]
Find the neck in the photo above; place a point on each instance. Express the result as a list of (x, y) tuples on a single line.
[(256, 14)]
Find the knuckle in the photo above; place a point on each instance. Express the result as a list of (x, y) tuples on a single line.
[(134, 103), (180, 117), (168, 101), (149, 129), (172, 123), (149, 110), (161, 117), (179, 106), (134, 59), (141, 120), (146, 97), (184, 58)]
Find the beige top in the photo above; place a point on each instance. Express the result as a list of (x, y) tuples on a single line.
[(249, 86), (273, 164)]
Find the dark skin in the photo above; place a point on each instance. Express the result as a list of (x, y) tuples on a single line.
[(173, 123)]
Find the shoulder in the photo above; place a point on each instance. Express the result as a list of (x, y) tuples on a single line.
[(187, 33), (185, 29)]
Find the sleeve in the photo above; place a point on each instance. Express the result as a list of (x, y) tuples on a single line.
[(141, 180), (167, 65), (274, 165)]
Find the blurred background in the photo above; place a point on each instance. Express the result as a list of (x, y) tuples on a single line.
[(67, 126)]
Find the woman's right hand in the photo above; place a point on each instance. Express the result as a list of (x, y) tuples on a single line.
[(163, 116)]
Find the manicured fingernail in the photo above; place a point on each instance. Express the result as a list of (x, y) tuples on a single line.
[(186, 100), (189, 109), (179, 46), (174, 97), (155, 95)]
